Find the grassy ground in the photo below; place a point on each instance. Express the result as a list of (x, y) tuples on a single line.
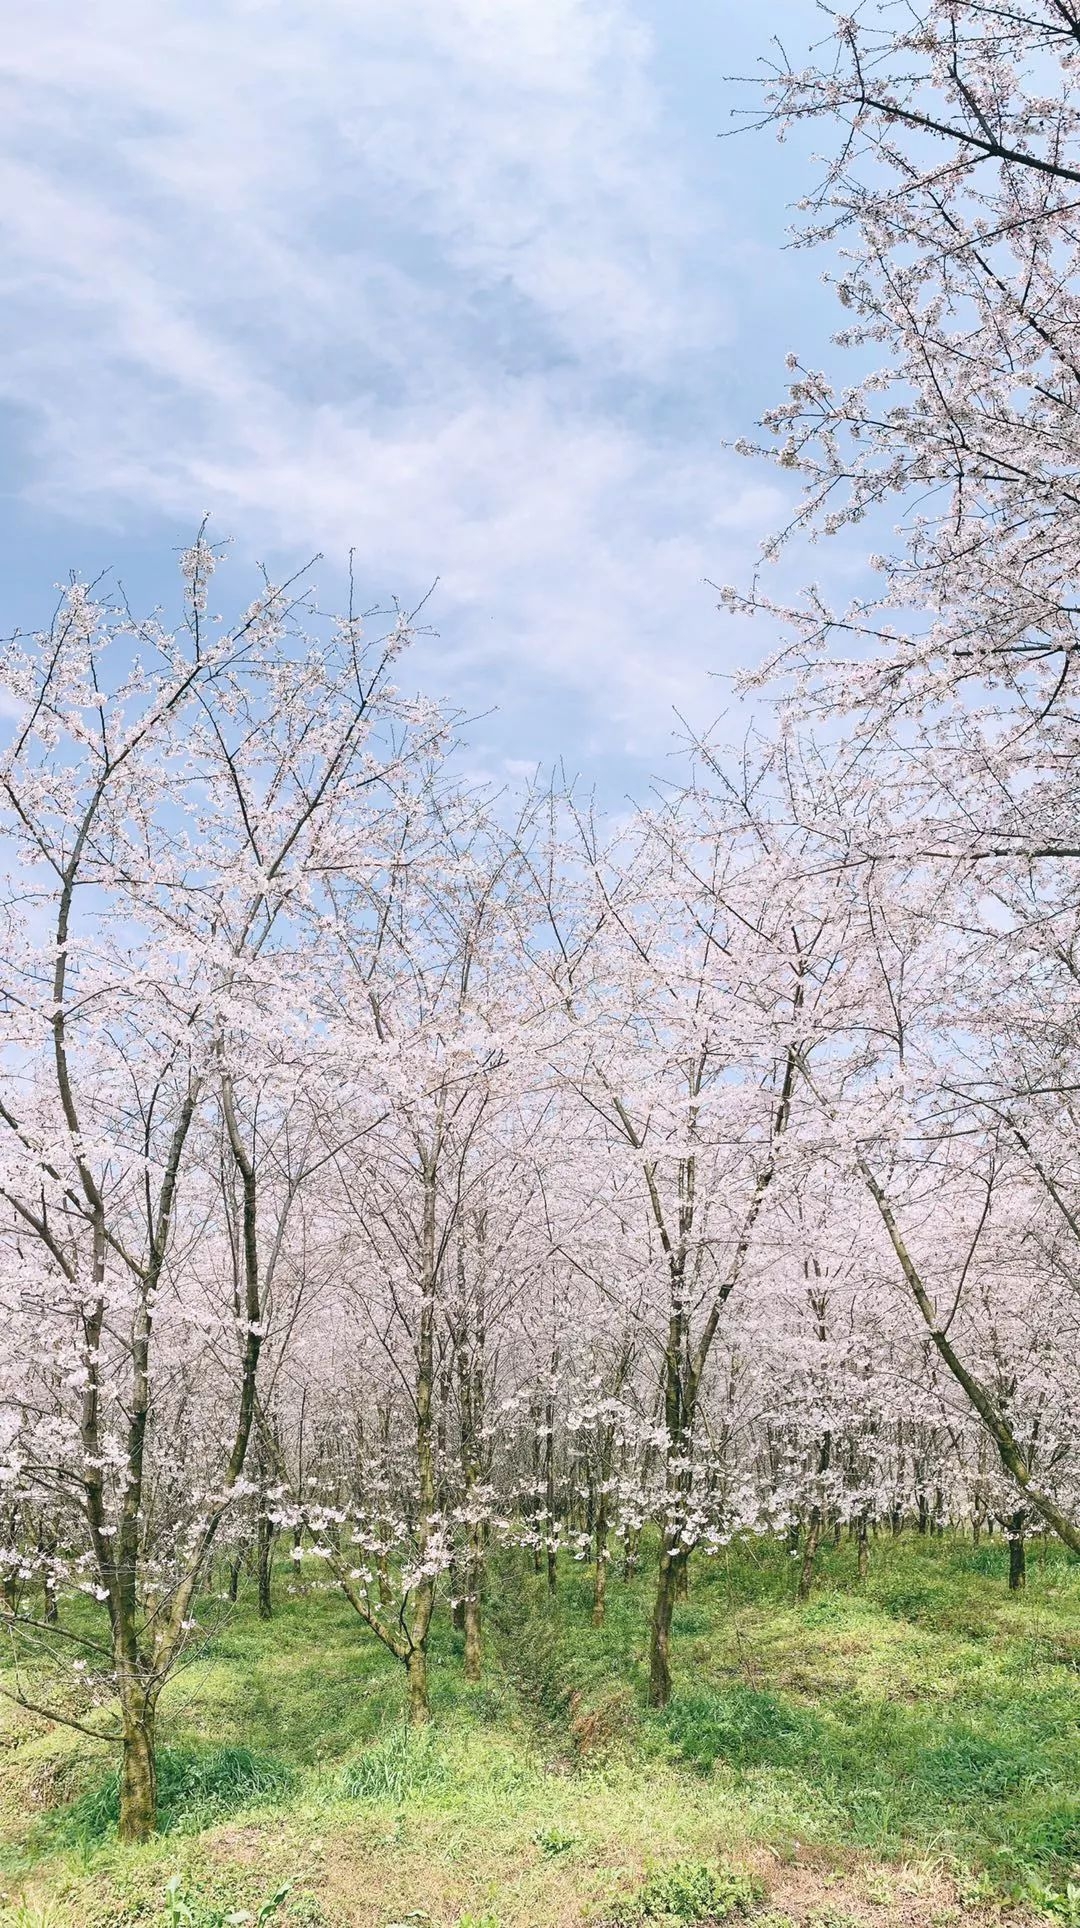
[(902, 1753)]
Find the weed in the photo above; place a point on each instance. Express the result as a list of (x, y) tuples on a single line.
[(183, 1910), (689, 1892), (553, 1841), (1063, 1903), (403, 1763)]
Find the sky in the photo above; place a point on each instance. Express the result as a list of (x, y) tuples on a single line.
[(471, 287)]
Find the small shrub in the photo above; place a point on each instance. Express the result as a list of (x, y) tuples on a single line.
[(404, 1762), (689, 1892), (553, 1841)]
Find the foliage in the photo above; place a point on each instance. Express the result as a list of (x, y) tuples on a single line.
[(195, 1788), (183, 1910), (690, 1892), (405, 1762), (945, 1735), (742, 1725)]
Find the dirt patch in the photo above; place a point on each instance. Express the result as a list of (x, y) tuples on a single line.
[(816, 1892), (360, 1884)]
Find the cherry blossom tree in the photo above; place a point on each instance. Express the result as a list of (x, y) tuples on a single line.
[(172, 799)]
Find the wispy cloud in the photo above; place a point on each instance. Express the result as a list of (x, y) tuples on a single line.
[(431, 277)]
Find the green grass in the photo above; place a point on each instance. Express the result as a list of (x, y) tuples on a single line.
[(926, 1723), (195, 1787)]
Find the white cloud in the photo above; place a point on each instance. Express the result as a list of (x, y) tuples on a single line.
[(419, 275)]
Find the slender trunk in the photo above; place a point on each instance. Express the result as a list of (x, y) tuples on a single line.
[(549, 1476), (599, 1606), (424, 1597), (813, 1539), (266, 1549), (472, 1629), (600, 1543), (1017, 1554), (234, 1576), (817, 1516), (864, 1549), (660, 1637), (678, 1426), (419, 1703), (47, 1547)]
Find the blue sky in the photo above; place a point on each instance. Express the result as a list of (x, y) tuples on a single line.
[(469, 285)]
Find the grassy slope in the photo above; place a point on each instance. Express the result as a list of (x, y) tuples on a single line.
[(890, 1754)]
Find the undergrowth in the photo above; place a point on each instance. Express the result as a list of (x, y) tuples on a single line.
[(688, 1893), (194, 1789), (924, 1715)]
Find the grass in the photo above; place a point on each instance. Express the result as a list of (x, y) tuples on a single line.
[(916, 1738), (195, 1788)]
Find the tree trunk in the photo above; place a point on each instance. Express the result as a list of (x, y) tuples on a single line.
[(234, 1576), (599, 1603), (549, 1475), (660, 1639), (472, 1629), (813, 1536), (419, 1703), (457, 1611), (1017, 1554), (265, 1553), (864, 1549), (138, 1776), (599, 1608)]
